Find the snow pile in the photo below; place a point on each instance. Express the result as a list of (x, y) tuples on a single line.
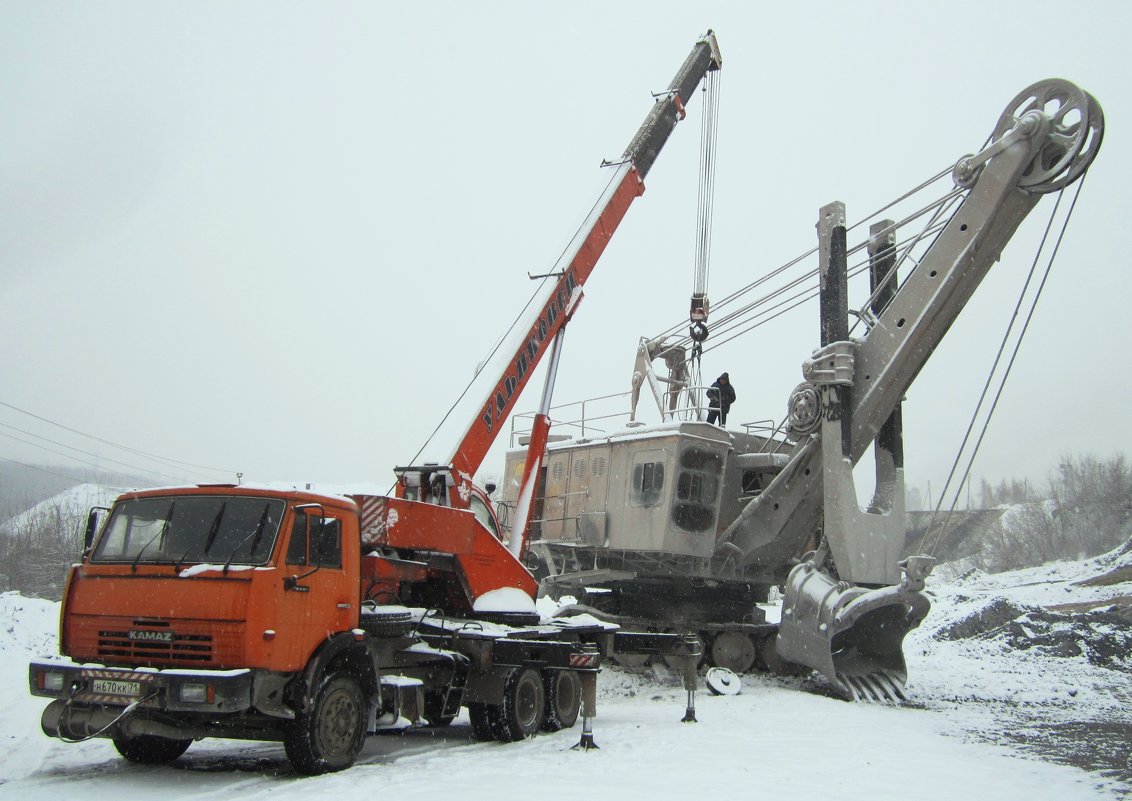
[(505, 599), (29, 627)]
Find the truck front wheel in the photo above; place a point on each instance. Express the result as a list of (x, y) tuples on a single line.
[(331, 735), (150, 750)]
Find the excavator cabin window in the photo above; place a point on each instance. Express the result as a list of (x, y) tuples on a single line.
[(648, 479), (315, 540), (697, 485)]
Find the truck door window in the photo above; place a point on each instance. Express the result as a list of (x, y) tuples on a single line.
[(315, 541), (326, 542)]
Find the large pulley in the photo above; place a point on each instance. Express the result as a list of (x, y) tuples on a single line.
[(1070, 124), (1074, 137)]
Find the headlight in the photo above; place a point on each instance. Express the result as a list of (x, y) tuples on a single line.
[(50, 680), (194, 693)]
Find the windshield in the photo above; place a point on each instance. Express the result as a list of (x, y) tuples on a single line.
[(191, 529)]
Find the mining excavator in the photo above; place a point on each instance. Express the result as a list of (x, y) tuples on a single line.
[(687, 526)]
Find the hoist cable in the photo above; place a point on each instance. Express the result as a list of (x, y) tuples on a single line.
[(705, 200), (809, 292), (764, 279), (1009, 366), (904, 253)]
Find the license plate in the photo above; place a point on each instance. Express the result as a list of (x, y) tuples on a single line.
[(126, 689)]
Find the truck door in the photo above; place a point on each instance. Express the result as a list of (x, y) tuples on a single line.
[(318, 598)]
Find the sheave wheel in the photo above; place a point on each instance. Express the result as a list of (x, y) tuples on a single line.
[(331, 735), (563, 699), (149, 750)]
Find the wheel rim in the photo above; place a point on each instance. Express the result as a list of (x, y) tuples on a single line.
[(528, 704), (565, 694), (338, 723)]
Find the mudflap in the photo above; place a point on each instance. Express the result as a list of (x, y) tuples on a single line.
[(853, 635)]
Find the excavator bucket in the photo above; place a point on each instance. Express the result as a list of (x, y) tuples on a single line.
[(853, 635)]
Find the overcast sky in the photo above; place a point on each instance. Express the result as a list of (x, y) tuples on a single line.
[(277, 238)]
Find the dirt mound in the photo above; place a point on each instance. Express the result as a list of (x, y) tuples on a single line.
[(1102, 636), (986, 620)]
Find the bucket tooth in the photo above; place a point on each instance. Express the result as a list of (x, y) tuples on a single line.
[(870, 692), (892, 687)]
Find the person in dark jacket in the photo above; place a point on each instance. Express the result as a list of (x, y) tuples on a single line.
[(720, 397)]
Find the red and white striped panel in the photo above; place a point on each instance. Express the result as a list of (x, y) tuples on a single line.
[(373, 519), (583, 660)]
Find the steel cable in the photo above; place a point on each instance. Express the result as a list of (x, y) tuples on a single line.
[(1007, 370)]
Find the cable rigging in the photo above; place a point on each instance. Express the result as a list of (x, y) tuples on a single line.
[(997, 361)]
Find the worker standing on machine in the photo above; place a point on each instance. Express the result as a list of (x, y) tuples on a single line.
[(720, 397)]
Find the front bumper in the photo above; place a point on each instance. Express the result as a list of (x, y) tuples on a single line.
[(171, 690)]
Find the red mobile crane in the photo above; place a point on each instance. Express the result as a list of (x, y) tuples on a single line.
[(266, 614), (452, 483)]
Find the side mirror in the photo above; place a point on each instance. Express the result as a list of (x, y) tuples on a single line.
[(93, 522), (490, 487)]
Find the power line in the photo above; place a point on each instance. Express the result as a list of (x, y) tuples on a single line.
[(169, 461), (34, 467), (150, 471)]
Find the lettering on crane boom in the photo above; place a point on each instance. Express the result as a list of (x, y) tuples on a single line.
[(516, 373)]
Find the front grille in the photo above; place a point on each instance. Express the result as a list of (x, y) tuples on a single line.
[(192, 649)]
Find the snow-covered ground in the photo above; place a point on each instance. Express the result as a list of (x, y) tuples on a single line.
[(1010, 701)]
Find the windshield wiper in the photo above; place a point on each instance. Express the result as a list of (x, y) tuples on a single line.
[(214, 529), (160, 533), (257, 535)]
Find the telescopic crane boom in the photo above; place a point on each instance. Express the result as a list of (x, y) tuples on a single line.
[(626, 186)]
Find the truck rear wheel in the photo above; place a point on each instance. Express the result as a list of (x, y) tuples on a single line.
[(524, 703), (563, 699), (149, 750), (331, 735)]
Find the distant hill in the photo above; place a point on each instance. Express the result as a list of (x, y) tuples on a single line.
[(43, 512), (24, 486), (67, 506)]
